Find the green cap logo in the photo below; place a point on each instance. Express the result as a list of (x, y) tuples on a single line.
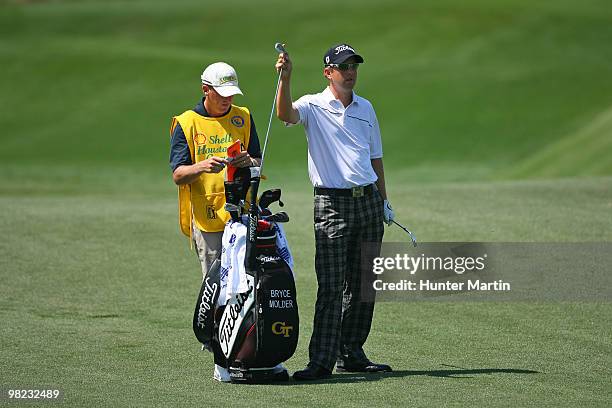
[(226, 79)]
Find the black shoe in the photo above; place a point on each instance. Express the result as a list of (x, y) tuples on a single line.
[(355, 361), (312, 372)]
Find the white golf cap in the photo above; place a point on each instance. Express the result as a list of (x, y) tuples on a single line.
[(223, 78)]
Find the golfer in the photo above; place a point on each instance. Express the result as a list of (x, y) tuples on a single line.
[(198, 156), (350, 204)]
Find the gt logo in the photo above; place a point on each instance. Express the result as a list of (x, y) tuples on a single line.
[(280, 328)]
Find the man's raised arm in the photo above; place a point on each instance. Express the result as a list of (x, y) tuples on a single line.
[(284, 105)]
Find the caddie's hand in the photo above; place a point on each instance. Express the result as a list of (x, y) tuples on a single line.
[(389, 215), (285, 63), (242, 159), (213, 165)]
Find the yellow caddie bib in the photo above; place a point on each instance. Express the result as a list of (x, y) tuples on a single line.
[(203, 200)]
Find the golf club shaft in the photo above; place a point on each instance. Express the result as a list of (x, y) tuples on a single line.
[(254, 215), (412, 237), (280, 48)]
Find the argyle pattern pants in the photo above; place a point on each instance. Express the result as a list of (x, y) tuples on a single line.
[(341, 225)]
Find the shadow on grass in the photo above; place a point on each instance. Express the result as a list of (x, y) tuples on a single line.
[(454, 372)]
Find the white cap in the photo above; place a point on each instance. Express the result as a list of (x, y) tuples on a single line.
[(223, 78)]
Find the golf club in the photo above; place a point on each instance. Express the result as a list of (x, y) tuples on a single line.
[(270, 196), (280, 48), (412, 236), (280, 216)]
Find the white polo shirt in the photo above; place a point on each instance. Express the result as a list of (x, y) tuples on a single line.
[(341, 141)]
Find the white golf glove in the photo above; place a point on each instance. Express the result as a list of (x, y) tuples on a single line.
[(389, 215)]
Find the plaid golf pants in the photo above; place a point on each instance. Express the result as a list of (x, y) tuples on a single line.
[(342, 224)]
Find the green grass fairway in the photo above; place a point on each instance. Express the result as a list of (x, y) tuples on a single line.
[(100, 287), (497, 126)]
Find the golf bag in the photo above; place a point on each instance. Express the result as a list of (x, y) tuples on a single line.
[(246, 312)]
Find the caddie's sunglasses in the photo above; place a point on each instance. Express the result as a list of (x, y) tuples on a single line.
[(344, 67)]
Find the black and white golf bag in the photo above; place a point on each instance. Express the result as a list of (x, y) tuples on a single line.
[(246, 312)]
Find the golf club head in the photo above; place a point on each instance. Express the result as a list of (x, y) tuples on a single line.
[(413, 238), (280, 216), (234, 210), (270, 196), (280, 48)]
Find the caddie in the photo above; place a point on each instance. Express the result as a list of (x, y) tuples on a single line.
[(198, 156)]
